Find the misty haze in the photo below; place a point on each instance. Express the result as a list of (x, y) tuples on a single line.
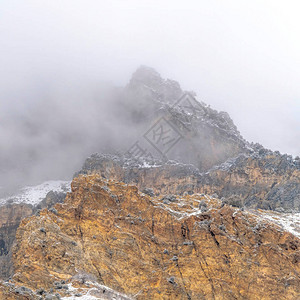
[(58, 63), (149, 149)]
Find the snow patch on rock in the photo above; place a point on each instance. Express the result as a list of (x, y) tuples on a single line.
[(35, 194), (286, 221), (99, 291)]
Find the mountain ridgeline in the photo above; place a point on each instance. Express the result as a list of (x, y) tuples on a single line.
[(210, 156)]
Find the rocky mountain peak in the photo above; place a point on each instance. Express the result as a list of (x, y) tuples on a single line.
[(146, 75), (217, 217), (147, 80), (207, 137)]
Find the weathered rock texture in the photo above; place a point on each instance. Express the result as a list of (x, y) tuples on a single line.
[(190, 247), (10, 292), (10, 218), (263, 179)]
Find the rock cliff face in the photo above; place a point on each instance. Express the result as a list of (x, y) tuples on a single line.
[(174, 247), (263, 179), (10, 218)]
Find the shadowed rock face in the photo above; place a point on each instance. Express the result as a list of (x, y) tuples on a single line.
[(190, 247), (10, 218), (263, 179), (268, 181)]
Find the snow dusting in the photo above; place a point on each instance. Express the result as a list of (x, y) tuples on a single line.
[(100, 291), (35, 194), (83, 297), (287, 221)]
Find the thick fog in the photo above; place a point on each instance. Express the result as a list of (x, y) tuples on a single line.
[(61, 60)]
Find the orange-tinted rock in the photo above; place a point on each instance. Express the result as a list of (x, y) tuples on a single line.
[(9, 291), (153, 249), (268, 181)]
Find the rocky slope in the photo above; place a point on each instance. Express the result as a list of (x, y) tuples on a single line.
[(180, 247)]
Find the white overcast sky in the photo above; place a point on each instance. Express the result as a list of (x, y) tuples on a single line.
[(241, 56)]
